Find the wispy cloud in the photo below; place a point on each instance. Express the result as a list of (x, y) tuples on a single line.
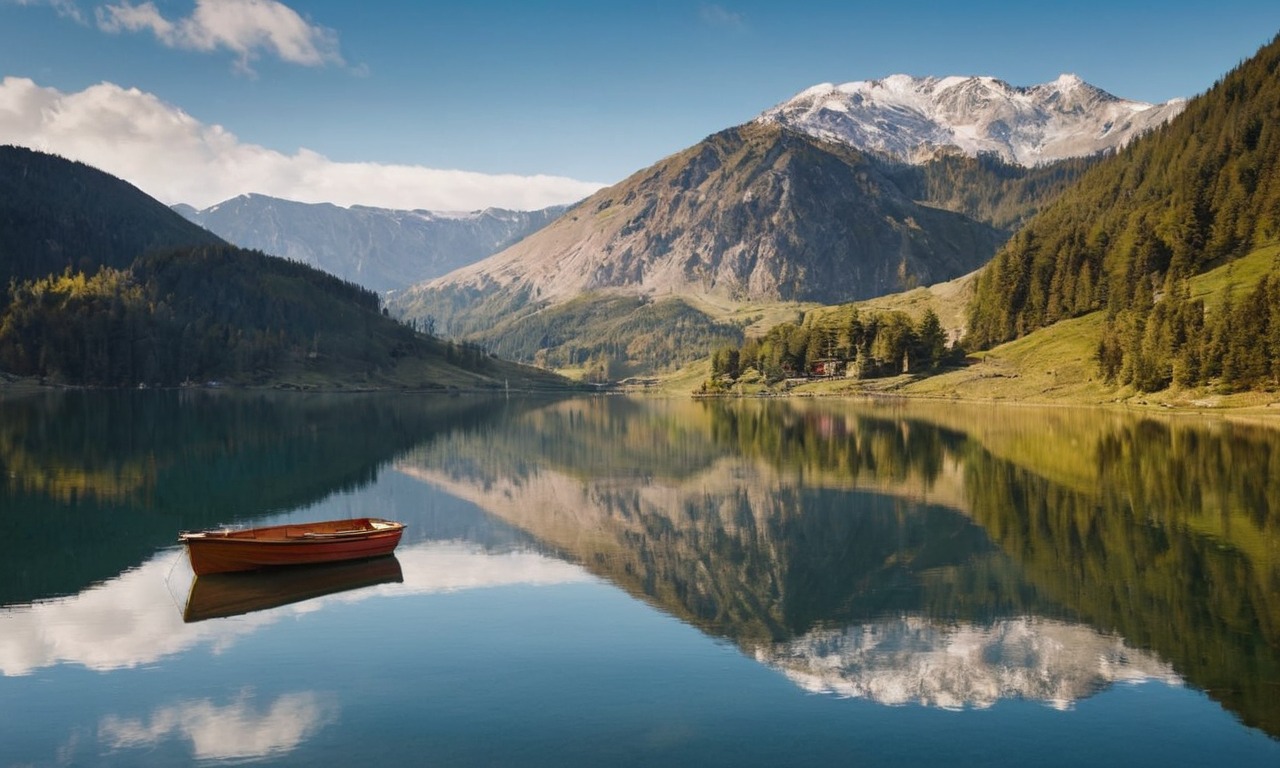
[(176, 158), (246, 28), (719, 16), (68, 9)]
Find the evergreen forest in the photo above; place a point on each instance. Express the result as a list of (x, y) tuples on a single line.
[(1199, 193), (847, 342), (202, 314)]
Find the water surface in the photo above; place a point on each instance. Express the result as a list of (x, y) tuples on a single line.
[(637, 582)]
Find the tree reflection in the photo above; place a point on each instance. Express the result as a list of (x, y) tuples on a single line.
[(767, 522)]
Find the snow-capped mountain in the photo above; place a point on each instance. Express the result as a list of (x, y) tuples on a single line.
[(913, 118)]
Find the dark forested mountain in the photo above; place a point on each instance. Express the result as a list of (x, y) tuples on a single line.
[(95, 299), (754, 213), (1199, 192), (381, 249), (56, 214)]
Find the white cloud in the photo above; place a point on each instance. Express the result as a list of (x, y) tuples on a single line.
[(178, 159), (65, 8), (244, 27)]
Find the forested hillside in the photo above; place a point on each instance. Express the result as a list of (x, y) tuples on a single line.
[(105, 286), (988, 189), (215, 312), (1199, 192), (57, 214)]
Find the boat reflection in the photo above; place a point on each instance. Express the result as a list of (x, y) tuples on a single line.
[(219, 595)]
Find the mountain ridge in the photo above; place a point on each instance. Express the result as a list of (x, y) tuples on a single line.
[(755, 213), (60, 214), (723, 216), (383, 249), (912, 118)]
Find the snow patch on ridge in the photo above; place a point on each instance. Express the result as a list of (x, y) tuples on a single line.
[(909, 118)]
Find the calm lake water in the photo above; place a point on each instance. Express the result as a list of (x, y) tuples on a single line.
[(612, 581)]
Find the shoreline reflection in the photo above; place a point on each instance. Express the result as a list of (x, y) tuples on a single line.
[(763, 522)]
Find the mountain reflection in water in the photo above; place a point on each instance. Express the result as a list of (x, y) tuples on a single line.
[(933, 555), (1152, 542), (913, 660)]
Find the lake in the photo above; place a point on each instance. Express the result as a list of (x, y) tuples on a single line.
[(617, 581)]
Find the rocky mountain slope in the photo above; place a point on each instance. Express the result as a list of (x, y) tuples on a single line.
[(840, 194), (379, 248), (755, 213), (913, 118)]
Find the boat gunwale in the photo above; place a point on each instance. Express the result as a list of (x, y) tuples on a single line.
[(376, 527)]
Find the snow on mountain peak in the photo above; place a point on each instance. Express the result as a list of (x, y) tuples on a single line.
[(910, 118), (1068, 81)]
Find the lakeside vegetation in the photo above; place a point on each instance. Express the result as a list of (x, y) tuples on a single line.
[(846, 343), (1157, 273)]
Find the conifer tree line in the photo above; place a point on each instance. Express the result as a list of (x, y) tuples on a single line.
[(846, 342), (1175, 342), (203, 313), (1196, 193)]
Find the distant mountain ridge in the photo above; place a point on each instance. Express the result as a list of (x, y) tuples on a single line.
[(379, 248), (913, 118)]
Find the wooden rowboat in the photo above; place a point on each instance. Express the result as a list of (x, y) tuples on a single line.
[(223, 551)]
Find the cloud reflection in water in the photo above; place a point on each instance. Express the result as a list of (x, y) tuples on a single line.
[(238, 730), (132, 619)]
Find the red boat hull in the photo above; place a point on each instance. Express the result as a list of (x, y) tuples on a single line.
[(285, 545)]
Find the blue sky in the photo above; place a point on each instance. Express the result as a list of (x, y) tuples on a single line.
[(526, 102)]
